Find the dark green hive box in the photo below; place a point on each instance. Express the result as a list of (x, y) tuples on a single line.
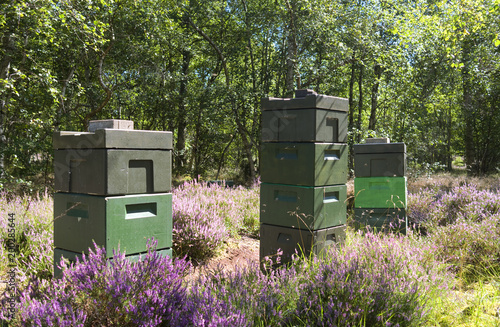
[(380, 192), (386, 220), (304, 125), (112, 171), (305, 164), (128, 220), (72, 256), (314, 207), (380, 159), (291, 240)]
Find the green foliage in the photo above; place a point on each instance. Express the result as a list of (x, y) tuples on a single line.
[(420, 73)]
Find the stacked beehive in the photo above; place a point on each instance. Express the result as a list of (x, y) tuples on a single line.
[(380, 185), (113, 188), (303, 172)]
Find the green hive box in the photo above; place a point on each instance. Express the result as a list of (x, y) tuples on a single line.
[(113, 139), (305, 164), (381, 219), (380, 159), (380, 192), (112, 171), (304, 125), (128, 220), (308, 208), (291, 240), (72, 256)]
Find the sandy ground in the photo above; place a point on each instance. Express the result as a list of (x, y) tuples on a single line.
[(237, 253)]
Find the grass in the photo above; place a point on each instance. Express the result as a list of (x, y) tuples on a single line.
[(451, 276)]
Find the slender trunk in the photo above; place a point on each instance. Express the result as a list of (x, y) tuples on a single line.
[(196, 147), (373, 113), (106, 89), (448, 142), (467, 109), (360, 104), (62, 108), (352, 105), (180, 146), (221, 160), (291, 60)]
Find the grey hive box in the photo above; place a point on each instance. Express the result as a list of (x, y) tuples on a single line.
[(289, 240), (128, 220), (304, 125), (305, 164), (309, 117), (72, 256), (380, 160), (381, 219), (112, 171), (314, 207)]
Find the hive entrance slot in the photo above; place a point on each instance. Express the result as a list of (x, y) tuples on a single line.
[(77, 209), (140, 210)]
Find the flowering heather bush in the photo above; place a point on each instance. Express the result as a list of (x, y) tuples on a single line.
[(34, 234), (375, 280), (465, 202), (444, 208), (420, 206), (265, 299), (203, 216), (98, 292), (464, 227)]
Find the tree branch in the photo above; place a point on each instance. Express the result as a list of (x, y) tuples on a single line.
[(103, 85)]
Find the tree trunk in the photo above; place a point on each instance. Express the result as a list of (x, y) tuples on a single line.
[(449, 159), (360, 105), (373, 113), (467, 109), (352, 107), (291, 59), (180, 146), (106, 89)]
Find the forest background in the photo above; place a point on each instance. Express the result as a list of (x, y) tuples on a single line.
[(426, 73)]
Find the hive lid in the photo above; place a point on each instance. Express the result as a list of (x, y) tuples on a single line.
[(306, 99), (113, 139), (379, 148)]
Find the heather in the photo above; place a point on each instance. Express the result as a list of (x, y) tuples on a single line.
[(33, 237), (205, 215), (373, 280), (98, 292), (445, 273), (463, 224)]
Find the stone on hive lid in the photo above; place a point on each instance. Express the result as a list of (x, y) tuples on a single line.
[(378, 140), (110, 123)]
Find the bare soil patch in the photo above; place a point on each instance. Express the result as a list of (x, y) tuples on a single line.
[(240, 252)]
